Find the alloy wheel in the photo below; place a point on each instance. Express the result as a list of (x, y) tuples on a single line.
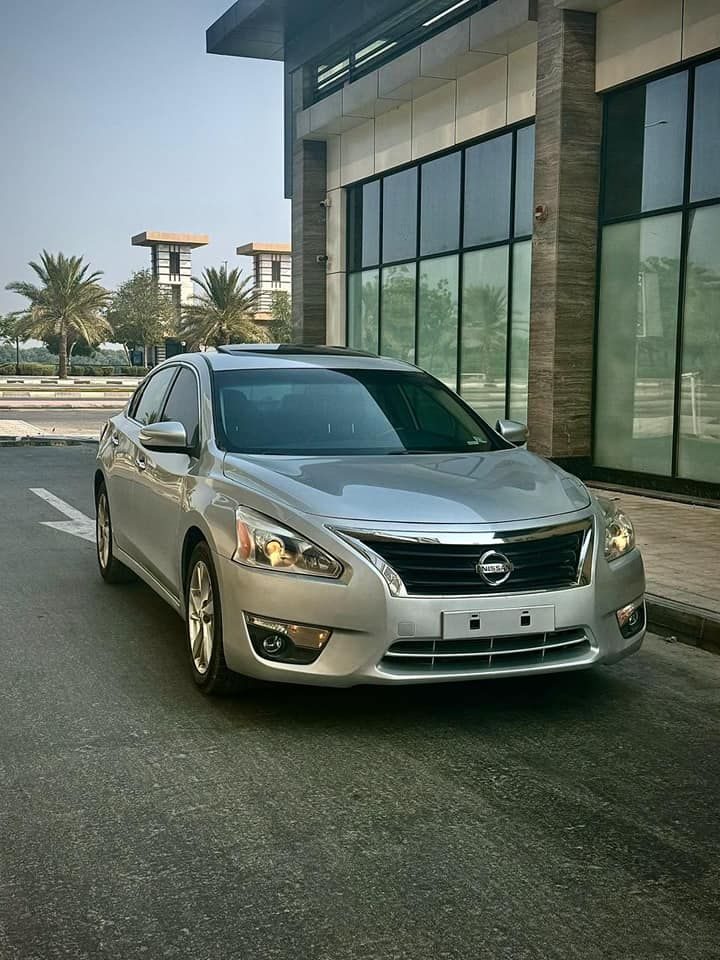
[(103, 530), (201, 617)]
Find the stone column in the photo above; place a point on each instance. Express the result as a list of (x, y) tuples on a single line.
[(308, 241), (567, 173)]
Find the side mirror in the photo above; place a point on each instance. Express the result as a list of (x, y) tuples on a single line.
[(165, 437), (513, 431)]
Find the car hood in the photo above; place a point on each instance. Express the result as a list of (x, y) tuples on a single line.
[(494, 487)]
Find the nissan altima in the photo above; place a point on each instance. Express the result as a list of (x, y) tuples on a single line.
[(324, 516)]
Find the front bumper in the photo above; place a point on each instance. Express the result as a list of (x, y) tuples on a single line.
[(366, 620)]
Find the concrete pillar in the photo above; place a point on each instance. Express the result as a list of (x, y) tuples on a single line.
[(567, 174), (308, 241)]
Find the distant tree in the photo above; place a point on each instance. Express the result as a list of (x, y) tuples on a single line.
[(280, 327), (9, 334), (68, 303), (223, 311), (141, 313)]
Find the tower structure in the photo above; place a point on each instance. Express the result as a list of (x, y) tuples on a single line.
[(272, 273)]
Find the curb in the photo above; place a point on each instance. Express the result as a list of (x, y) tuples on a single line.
[(45, 441), (692, 625)]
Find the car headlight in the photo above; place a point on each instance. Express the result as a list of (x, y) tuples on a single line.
[(619, 531), (265, 543)]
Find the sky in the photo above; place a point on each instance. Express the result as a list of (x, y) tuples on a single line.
[(114, 120)]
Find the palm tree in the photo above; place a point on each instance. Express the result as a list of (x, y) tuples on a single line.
[(68, 304), (223, 312)]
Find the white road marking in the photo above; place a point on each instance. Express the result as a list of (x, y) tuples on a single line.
[(79, 525)]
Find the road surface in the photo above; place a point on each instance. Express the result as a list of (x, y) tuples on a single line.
[(563, 818), (63, 423)]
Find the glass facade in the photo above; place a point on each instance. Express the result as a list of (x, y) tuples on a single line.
[(439, 268), (657, 387)]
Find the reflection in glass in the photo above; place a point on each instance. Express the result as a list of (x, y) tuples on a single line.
[(699, 444), (636, 344), (488, 169), (397, 336), (438, 318), (363, 310), (484, 331), (440, 205), (399, 240), (520, 330), (645, 147), (705, 182), (524, 181)]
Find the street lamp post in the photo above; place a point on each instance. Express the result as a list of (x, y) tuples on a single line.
[(17, 356)]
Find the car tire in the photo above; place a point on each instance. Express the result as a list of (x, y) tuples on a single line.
[(111, 569), (204, 628)]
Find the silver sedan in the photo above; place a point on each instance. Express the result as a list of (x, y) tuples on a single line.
[(318, 515)]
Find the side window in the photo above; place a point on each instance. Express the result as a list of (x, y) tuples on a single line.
[(152, 398), (182, 405)]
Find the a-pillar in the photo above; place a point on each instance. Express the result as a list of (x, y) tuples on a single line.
[(567, 173)]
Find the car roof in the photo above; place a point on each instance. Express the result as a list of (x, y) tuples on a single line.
[(274, 356)]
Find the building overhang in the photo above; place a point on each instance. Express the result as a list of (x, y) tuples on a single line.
[(492, 33), (150, 238), (254, 248)]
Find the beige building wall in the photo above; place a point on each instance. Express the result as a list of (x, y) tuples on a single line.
[(637, 37), (497, 94)]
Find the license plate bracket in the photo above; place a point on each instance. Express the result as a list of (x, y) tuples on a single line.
[(507, 622)]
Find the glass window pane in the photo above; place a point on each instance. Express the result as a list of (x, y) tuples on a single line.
[(645, 147), (636, 344), (397, 329), (524, 181), (153, 396), (363, 310), (520, 330), (182, 405), (438, 319), (699, 449), (400, 216), (364, 225), (440, 205), (488, 169), (354, 228), (705, 181), (484, 331)]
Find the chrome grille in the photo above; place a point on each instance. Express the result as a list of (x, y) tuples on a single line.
[(545, 559), (485, 654)]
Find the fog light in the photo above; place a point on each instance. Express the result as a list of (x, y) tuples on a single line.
[(286, 642), (273, 644), (631, 618)]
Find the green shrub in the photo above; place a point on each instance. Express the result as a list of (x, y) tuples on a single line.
[(29, 370)]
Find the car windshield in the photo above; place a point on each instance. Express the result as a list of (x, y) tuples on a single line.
[(322, 412)]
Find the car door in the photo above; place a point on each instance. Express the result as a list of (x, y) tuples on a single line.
[(161, 480), (129, 460)]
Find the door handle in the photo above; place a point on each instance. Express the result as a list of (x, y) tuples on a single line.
[(140, 462)]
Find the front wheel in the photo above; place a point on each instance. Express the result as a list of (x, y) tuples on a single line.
[(204, 626), (111, 570)]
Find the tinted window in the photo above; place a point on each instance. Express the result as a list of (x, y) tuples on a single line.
[(488, 168), (524, 181), (706, 133), (645, 147), (364, 225), (182, 405), (440, 205), (151, 400), (319, 412), (400, 216)]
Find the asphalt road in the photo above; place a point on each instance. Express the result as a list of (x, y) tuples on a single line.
[(62, 422), (573, 817)]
